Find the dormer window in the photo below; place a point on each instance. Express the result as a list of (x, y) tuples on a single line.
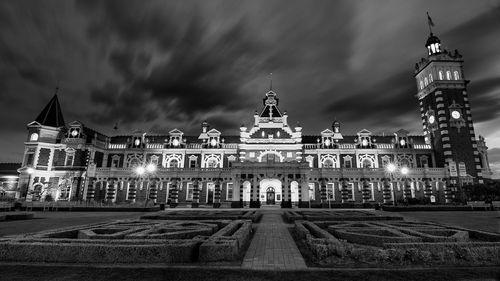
[(70, 157), (455, 74), (448, 75), (34, 137), (441, 77)]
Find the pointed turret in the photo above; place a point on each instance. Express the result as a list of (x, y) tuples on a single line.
[(51, 115)]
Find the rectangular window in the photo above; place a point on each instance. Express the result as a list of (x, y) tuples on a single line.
[(189, 190), (29, 159), (350, 191), (69, 160), (115, 163), (348, 163), (372, 191), (192, 163), (311, 192), (330, 191), (229, 193)]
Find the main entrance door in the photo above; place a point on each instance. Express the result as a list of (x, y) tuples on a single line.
[(270, 196)]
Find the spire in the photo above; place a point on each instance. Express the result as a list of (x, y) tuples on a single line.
[(271, 81), (51, 115)]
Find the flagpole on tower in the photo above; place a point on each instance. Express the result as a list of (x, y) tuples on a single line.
[(430, 22)]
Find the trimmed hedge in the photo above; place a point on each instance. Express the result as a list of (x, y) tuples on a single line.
[(19, 216), (423, 208)]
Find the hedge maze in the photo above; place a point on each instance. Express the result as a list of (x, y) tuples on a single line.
[(344, 215), (254, 216), (134, 241), (379, 242)]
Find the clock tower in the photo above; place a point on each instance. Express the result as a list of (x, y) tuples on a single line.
[(446, 113)]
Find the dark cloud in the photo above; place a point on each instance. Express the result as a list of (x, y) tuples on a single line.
[(164, 64)]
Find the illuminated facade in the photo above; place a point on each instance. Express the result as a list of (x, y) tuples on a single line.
[(268, 162)]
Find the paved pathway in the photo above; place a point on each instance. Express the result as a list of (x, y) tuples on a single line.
[(272, 246)]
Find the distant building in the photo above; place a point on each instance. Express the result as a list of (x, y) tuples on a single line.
[(9, 178), (269, 161)]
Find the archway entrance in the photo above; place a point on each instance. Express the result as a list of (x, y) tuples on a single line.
[(270, 196), (270, 191)]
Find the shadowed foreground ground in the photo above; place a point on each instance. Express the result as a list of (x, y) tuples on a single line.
[(63, 273)]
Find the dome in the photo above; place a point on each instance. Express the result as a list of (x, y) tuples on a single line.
[(431, 40)]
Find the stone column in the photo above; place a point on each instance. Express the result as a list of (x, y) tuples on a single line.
[(132, 190), (427, 188), (174, 199), (448, 193), (322, 182), (111, 191), (345, 192), (196, 193), (387, 191), (217, 192), (153, 192), (91, 189), (365, 193), (407, 189)]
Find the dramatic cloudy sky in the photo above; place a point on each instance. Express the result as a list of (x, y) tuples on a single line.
[(158, 65)]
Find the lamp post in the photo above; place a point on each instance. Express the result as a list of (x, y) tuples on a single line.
[(392, 169), (147, 170)]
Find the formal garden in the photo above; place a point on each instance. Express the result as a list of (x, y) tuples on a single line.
[(363, 239)]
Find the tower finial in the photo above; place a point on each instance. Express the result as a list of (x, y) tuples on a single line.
[(270, 81), (430, 22)]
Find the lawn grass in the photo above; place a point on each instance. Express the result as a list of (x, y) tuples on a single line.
[(63, 273)]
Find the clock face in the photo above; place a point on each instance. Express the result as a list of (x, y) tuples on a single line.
[(402, 142), (74, 133), (455, 114), (137, 142), (432, 119)]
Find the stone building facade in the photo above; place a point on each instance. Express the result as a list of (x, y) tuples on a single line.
[(270, 161)]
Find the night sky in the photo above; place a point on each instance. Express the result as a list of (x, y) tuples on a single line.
[(159, 65)]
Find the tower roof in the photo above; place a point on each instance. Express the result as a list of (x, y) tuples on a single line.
[(432, 39), (51, 115)]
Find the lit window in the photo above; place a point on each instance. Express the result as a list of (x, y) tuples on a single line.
[(311, 191), (330, 191), (455, 73), (34, 137), (212, 163), (350, 191), (430, 78), (441, 75), (174, 163), (229, 193), (192, 163), (426, 82), (448, 75), (421, 85), (436, 47), (367, 163), (328, 163), (189, 195), (347, 163)]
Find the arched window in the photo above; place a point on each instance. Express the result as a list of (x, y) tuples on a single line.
[(421, 85), (34, 137), (405, 163), (448, 75), (430, 78), (455, 73), (441, 75), (174, 163), (426, 82), (134, 162), (212, 163), (328, 163), (367, 163)]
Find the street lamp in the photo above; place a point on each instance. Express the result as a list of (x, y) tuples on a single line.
[(404, 171), (148, 170)]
